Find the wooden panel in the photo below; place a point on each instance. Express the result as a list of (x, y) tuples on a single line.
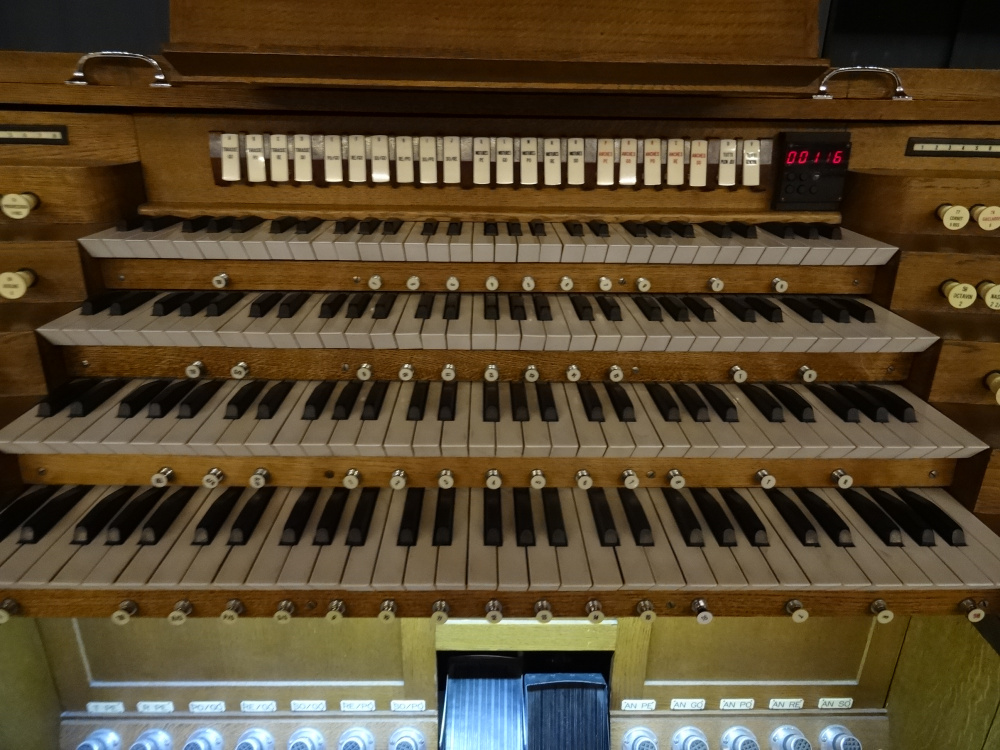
[(961, 367), (883, 147), (977, 485), (530, 635), (631, 659), (75, 193), (30, 703), (108, 139), (58, 267), (21, 370), (920, 275)]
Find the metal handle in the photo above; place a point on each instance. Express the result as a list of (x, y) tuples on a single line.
[(79, 78), (898, 94)]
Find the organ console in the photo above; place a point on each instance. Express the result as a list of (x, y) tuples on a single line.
[(559, 377)]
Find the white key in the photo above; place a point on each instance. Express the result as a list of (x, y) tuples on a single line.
[(333, 158), (543, 564), (481, 152), (695, 568), (675, 161), (415, 244), (438, 250), (512, 562), (256, 163), (628, 162), (371, 438), (532, 330), (528, 246), (287, 440), (632, 560), (241, 558), (233, 441), (575, 166), (452, 568), (602, 560), (330, 560), (460, 245), (529, 161), (655, 336), (63, 440), (982, 547), (557, 336), (380, 158), (645, 440), (282, 335), (358, 330), (698, 176), (482, 560), (482, 434), (751, 162), (382, 333), (622, 246), (404, 159), (550, 246), (197, 564), (535, 432), (428, 160), (574, 567), (482, 244), (230, 157), (300, 558), (661, 558), (390, 563), (505, 161), (950, 435), (605, 161), (595, 248), (484, 332), (369, 245), (509, 438), (581, 332), (344, 438), (563, 438), (703, 439), (433, 331), (422, 557), (608, 335), (455, 433), (727, 162), (592, 441), (724, 566), (96, 246), (505, 245), (302, 151), (633, 336), (552, 149), (427, 432), (408, 326), (259, 441), (391, 244), (272, 555), (672, 440), (652, 153), (452, 162)]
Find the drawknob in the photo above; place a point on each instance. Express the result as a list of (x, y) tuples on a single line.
[(18, 205), (959, 295), (543, 611), (15, 284), (953, 217), (440, 611), (336, 611), (798, 612), (537, 480), (387, 610), (992, 381), (351, 479), (987, 217), (494, 611), (583, 479), (700, 608), (645, 610), (233, 611), (989, 293)]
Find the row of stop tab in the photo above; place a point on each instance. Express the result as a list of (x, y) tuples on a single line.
[(484, 161)]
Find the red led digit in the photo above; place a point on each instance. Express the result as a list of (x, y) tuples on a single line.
[(803, 157), (790, 157), (838, 157)]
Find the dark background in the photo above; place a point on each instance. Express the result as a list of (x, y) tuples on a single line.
[(895, 33)]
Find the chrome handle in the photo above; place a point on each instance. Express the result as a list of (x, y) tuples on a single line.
[(898, 94), (79, 78)]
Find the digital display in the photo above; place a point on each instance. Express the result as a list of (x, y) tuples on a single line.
[(811, 170), (815, 156)]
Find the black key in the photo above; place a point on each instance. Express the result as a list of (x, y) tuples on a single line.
[(418, 401), (197, 303), (357, 305), (546, 402), (244, 397), (446, 406), (195, 225), (158, 223), (747, 231), (514, 229), (490, 229), (685, 518), (620, 402), (648, 306), (264, 303), (169, 397), (282, 225), (129, 518), (219, 224), (357, 532), (738, 308), (864, 402), (675, 308), (424, 306), (659, 228), (765, 308), (665, 403), (682, 229), (716, 517), (524, 519), (245, 223), (292, 303), (584, 311), (216, 515), (454, 228), (223, 303), (96, 396), (719, 401), (491, 307), (574, 228), (93, 523), (491, 402), (384, 305), (829, 231), (130, 302), (875, 517), (519, 402), (766, 403), (797, 521), (697, 408), (299, 516), (492, 519), (591, 403), (745, 517), (44, 518), (833, 311), (908, 520), (605, 522), (543, 310), (129, 224), (897, 406), (794, 402), (101, 302), (273, 399), (517, 309), (452, 306), (839, 405), (635, 228), (779, 229), (429, 228), (857, 309), (805, 231), (700, 309), (20, 509), (610, 307), (249, 516), (344, 404), (409, 525), (555, 526), (164, 516), (642, 532), (317, 400), (331, 305), (329, 519), (828, 518), (717, 228), (804, 309), (368, 226), (941, 522), (169, 302), (138, 399), (838, 304), (195, 401), (391, 227), (375, 400), (444, 518), (599, 228), (305, 226)]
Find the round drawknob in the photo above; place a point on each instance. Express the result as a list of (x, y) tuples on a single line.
[(989, 293), (738, 374), (491, 374), (407, 738), (452, 284), (992, 381), (796, 610), (448, 372), (406, 372), (15, 284), (528, 284), (494, 611), (492, 283), (595, 612), (152, 739), (162, 478), (537, 480), (233, 611), (398, 480), (181, 611), (838, 737), (630, 479), (18, 205), (645, 610), (351, 479), (284, 612), (843, 480), (336, 611), (788, 737), (779, 285), (987, 217), (387, 610), (616, 374), (306, 739), (440, 612), (807, 374), (493, 479), (9, 608), (739, 738), (689, 738), (676, 479), (531, 373), (566, 284), (767, 481), (259, 478), (364, 372), (700, 608), (204, 739), (973, 611), (958, 295), (255, 739), (240, 370), (543, 611), (446, 480), (413, 283), (583, 479), (605, 284), (220, 280), (639, 738), (213, 478), (883, 615), (375, 282), (643, 284), (953, 217), (356, 739), (125, 612), (101, 739), (195, 370), (716, 284), (573, 373)]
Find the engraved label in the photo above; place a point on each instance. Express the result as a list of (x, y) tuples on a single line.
[(605, 161), (574, 161), (256, 166), (698, 176), (404, 159), (380, 158), (505, 161), (687, 704), (356, 171), (727, 162), (302, 146), (258, 707), (105, 707), (356, 706), (751, 163), (786, 704), (207, 707), (428, 160), (736, 704), (155, 707), (333, 158), (452, 160), (529, 161), (638, 705), (279, 157), (309, 706), (652, 165), (675, 161), (627, 162), (481, 161), (408, 706), (837, 704), (231, 157), (553, 161)]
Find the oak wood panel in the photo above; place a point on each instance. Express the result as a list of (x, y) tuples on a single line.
[(23, 317), (977, 485), (288, 471), (883, 146), (108, 139), (58, 267), (31, 705), (341, 364), (21, 372), (921, 273), (961, 367), (79, 193)]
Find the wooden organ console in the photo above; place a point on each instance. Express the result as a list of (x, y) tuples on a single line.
[(416, 388)]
